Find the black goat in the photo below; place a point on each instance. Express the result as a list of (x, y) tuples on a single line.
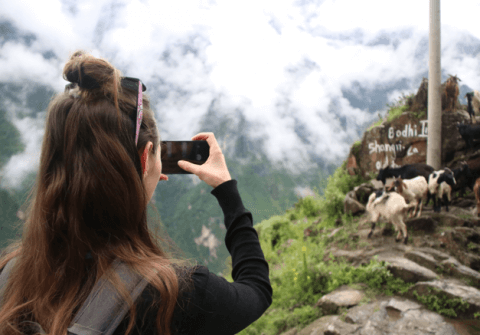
[(408, 171), (469, 132), (470, 109), (464, 178)]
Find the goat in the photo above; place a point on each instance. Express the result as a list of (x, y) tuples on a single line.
[(451, 93), (476, 190), (470, 109), (464, 178), (420, 101), (434, 181), (444, 195), (469, 132), (408, 171), (476, 101), (393, 208), (413, 190)]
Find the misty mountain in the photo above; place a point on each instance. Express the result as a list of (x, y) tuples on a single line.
[(268, 187)]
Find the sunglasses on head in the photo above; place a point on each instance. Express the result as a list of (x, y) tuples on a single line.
[(134, 85)]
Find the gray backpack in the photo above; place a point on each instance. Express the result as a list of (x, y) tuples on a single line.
[(104, 308)]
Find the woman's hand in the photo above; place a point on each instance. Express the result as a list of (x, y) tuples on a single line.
[(214, 171)]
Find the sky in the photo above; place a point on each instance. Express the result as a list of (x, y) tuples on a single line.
[(284, 64)]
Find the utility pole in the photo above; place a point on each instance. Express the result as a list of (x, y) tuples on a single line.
[(434, 140)]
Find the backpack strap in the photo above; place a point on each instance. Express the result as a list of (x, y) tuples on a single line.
[(104, 308)]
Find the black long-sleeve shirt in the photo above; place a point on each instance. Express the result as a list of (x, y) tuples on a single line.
[(215, 305)]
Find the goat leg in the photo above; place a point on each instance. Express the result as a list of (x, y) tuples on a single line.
[(371, 231), (420, 209), (438, 205), (429, 196), (445, 201)]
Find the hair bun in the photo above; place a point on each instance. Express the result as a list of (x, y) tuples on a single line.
[(83, 80)]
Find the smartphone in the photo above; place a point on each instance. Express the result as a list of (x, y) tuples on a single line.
[(195, 152)]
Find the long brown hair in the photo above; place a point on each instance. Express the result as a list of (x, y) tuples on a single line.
[(88, 197)]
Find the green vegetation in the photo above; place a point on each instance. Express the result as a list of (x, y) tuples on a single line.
[(395, 112), (356, 148), (397, 108), (421, 115), (376, 124), (441, 304)]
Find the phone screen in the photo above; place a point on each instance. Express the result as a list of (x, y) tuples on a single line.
[(195, 152)]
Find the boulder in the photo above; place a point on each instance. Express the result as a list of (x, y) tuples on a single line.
[(408, 271), (330, 303), (451, 290), (403, 141), (351, 205)]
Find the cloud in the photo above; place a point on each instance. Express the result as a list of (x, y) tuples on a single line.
[(19, 64), (285, 65), (19, 166)]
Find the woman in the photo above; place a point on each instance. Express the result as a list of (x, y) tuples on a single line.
[(99, 166)]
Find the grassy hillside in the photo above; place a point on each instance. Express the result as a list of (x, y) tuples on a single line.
[(295, 251)]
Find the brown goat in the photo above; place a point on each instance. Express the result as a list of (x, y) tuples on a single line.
[(476, 190), (420, 101), (451, 93)]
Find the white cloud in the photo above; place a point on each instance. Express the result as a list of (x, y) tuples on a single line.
[(19, 166), (283, 63)]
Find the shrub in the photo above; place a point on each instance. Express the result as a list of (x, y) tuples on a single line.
[(308, 206), (338, 185)]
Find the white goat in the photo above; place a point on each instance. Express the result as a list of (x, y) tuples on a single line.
[(476, 101), (437, 178), (393, 208), (444, 190), (413, 190)]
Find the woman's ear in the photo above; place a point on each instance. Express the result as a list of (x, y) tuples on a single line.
[(145, 157)]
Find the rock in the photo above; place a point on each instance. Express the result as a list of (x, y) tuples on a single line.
[(470, 234), (403, 141), (363, 191), (464, 203), (424, 223), (438, 255), (447, 220), (391, 316), (423, 259), (351, 205), (350, 256), (407, 270), (319, 326), (331, 331), (473, 261), (451, 290), (455, 269), (331, 302), (361, 314)]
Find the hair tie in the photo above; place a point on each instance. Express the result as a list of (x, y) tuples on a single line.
[(83, 80)]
